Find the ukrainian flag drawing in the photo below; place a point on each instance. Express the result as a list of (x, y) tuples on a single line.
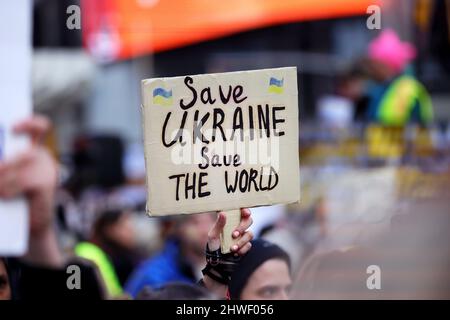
[(276, 86), (162, 97)]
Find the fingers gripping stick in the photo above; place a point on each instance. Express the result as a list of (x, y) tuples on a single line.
[(233, 219)]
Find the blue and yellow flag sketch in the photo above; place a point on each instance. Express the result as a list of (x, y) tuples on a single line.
[(162, 97), (276, 86)]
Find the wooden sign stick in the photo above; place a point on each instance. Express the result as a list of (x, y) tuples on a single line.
[(226, 238)]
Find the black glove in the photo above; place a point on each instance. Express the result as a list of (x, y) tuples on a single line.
[(220, 267)]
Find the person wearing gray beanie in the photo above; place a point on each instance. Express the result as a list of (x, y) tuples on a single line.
[(262, 274)]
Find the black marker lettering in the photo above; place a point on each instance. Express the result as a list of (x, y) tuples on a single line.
[(218, 123), (201, 184), (178, 177), (197, 128), (179, 135), (237, 91), (275, 121), (230, 188), (187, 81), (238, 124), (208, 98), (222, 96), (263, 120)]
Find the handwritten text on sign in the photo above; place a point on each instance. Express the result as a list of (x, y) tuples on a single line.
[(221, 141)]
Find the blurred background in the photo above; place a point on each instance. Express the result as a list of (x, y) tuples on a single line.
[(374, 106)]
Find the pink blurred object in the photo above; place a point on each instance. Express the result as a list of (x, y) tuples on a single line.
[(389, 49)]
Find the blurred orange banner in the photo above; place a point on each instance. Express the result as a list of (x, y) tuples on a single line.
[(119, 29)]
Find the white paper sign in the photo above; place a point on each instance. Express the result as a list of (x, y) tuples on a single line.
[(221, 141), (15, 105)]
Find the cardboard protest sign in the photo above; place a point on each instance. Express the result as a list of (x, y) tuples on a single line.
[(221, 141), (15, 100)]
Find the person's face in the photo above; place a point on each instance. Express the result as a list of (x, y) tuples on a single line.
[(271, 281), (193, 231), (5, 290), (352, 88), (380, 71)]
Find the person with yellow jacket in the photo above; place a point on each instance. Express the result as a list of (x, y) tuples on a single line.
[(397, 98)]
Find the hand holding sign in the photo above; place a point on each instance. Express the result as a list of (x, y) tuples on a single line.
[(219, 142), (240, 233)]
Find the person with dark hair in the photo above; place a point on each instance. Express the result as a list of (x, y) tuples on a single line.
[(112, 248), (183, 255), (262, 274), (5, 288), (42, 272), (181, 258)]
